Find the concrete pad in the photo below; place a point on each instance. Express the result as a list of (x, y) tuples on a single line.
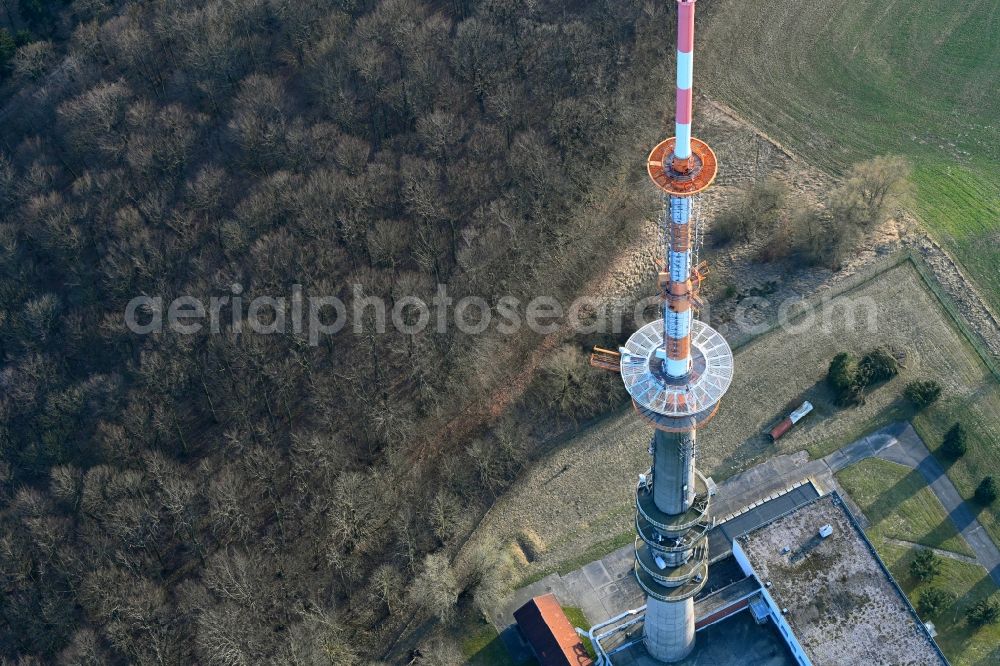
[(581, 594), (622, 595), (597, 574), (620, 563)]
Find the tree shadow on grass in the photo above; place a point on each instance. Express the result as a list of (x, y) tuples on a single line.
[(958, 519), (961, 630), (963, 516), (888, 502), (982, 589), (956, 631), (937, 537), (991, 659), (977, 508)]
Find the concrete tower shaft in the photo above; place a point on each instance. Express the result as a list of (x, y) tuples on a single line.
[(669, 628), (673, 471)]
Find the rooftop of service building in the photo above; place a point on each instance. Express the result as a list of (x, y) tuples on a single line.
[(841, 603), (735, 640)]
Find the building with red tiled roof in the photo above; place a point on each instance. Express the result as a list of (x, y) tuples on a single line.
[(549, 633)]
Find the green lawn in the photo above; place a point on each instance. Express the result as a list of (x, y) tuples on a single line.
[(577, 618), (960, 204), (980, 414), (481, 644), (839, 81), (899, 505), (968, 582), (971, 396)]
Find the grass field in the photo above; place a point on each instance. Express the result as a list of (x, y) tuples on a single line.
[(839, 81), (979, 413), (577, 618), (894, 309), (481, 644), (962, 645), (899, 505)]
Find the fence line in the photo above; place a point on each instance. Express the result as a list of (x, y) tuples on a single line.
[(946, 301)]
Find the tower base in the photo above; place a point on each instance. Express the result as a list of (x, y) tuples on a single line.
[(669, 629)]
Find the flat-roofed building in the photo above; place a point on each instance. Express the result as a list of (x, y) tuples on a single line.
[(828, 592)]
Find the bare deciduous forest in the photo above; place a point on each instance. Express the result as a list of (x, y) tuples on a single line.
[(237, 498)]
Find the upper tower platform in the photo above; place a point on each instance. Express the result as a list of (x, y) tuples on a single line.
[(678, 177)]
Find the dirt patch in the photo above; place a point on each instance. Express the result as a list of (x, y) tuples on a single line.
[(530, 544)]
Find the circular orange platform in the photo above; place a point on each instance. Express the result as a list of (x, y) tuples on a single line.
[(700, 173)]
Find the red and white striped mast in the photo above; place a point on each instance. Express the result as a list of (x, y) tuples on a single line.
[(681, 167), (685, 76)]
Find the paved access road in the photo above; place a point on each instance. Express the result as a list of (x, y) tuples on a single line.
[(910, 450)]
